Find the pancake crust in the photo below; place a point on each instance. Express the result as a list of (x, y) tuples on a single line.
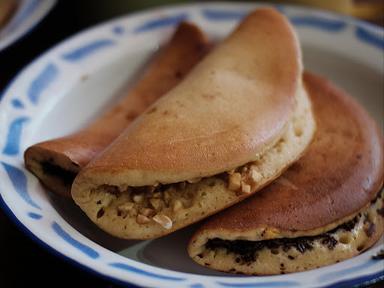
[(128, 214), (56, 162), (254, 88), (236, 101), (286, 256), (339, 175)]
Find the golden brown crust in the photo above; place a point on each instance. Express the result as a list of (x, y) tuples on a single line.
[(340, 173), (250, 100), (334, 182), (298, 254), (230, 104), (185, 49), (127, 212)]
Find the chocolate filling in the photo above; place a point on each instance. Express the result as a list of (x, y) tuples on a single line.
[(246, 250), (56, 171)]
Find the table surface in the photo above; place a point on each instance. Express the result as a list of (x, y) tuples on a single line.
[(37, 263)]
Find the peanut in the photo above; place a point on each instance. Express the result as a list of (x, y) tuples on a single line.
[(234, 181), (163, 220), (141, 219)]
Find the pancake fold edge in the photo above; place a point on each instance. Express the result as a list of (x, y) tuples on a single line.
[(327, 207), (232, 126)]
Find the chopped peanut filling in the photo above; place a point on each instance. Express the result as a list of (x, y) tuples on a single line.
[(159, 203), (244, 179)]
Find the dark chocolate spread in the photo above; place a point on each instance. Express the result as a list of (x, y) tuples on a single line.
[(56, 171), (246, 251)]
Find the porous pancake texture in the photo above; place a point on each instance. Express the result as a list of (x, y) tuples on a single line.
[(286, 255), (234, 124), (145, 212), (288, 223)]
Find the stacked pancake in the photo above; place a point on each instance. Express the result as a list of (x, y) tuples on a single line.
[(219, 136), (241, 118), (325, 208)]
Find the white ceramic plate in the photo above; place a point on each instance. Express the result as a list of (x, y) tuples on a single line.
[(27, 15), (70, 84)]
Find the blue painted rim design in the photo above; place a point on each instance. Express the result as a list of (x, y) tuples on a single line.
[(161, 22), (17, 103), (47, 75), (369, 37), (4, 207), (35, 215), (359, 281), (364, 280), (268, 284), (118, 30), (223, 15), (84, 51), (127, 267), (349, 271), (331, 25), (90, 252), (13, 137), (19, 182)]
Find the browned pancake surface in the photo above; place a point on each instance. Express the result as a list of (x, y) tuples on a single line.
[(186, 48), (340, 173), (242, 110), (232, 107), (67, 155)]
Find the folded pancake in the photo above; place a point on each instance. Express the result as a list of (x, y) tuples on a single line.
[(56, 162), (325, 208), (237, 120)]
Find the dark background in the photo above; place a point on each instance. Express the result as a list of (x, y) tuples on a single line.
[(24, 263)]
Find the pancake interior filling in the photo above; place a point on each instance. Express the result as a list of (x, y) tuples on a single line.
[(163, 200), (58, 172), (166, 204), (247, 251)]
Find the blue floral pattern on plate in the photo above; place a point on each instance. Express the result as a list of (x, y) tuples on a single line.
[(41, 82), (331, 25), (73, 242), (87, 49), (370, 37), (13, 136), (161, 22), (19, 182), (142, 272)]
